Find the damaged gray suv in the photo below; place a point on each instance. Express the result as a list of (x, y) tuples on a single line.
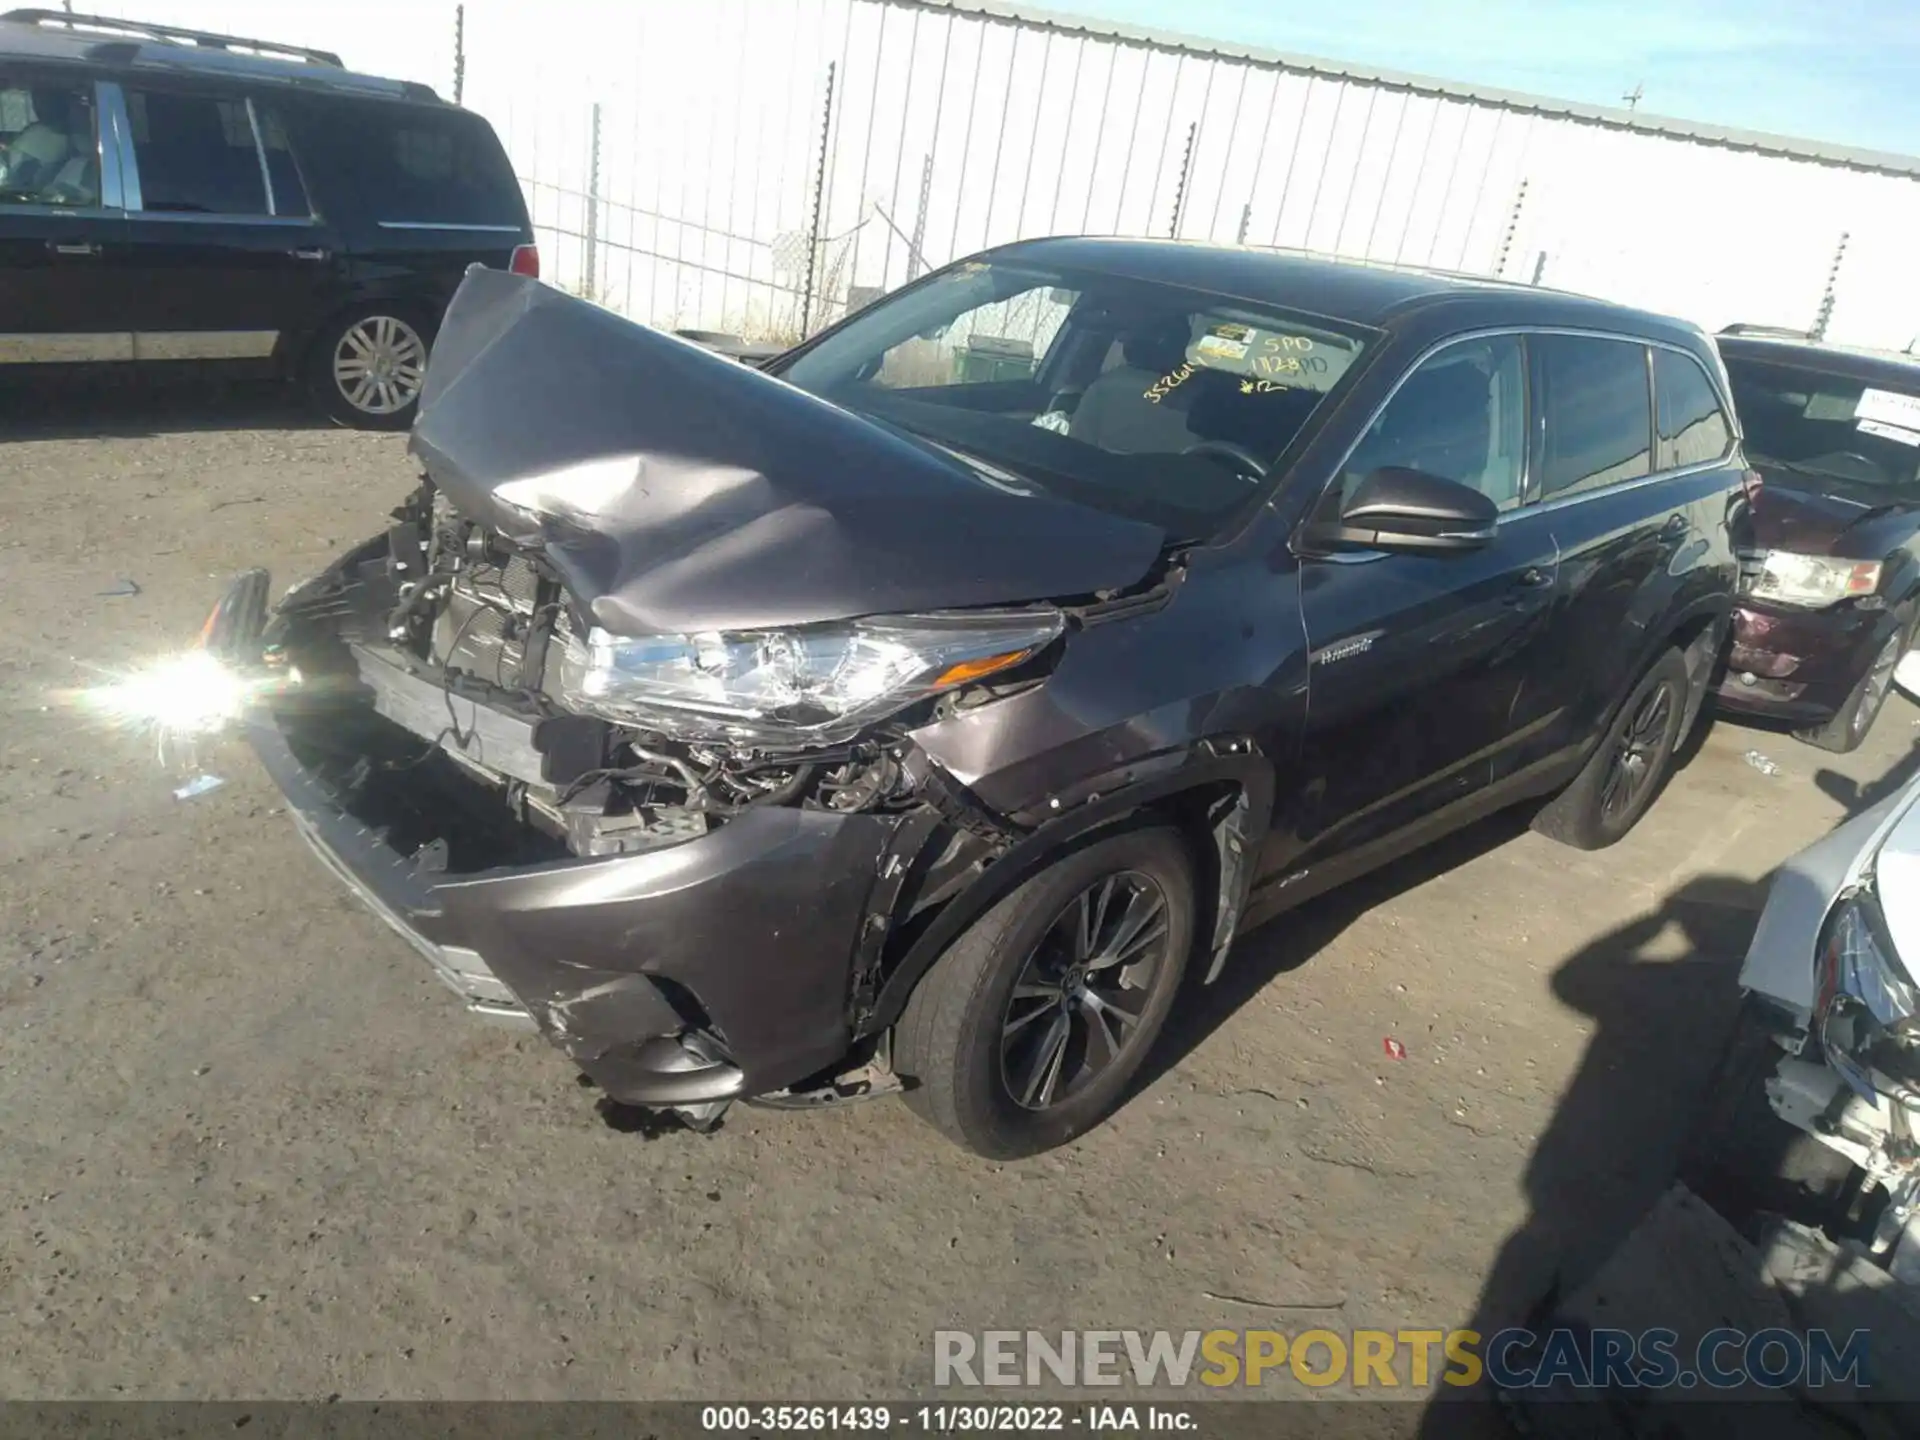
[(918, 713)]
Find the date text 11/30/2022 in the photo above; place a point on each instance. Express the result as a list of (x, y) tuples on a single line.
[(948, 1419)]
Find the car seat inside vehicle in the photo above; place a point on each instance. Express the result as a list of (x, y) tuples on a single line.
[(1117, 415)]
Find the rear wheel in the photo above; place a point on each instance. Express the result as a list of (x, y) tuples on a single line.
[(1029, 1030), (368, 366), (1608, 797), (1849, 729)]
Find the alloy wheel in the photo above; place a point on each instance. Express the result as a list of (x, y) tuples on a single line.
[(1079, 1000), (379, 364), (1637, 754), (1879, 682)]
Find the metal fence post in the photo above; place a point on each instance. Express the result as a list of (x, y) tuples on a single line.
[(459, 51), (1833, 281), (590, 285), (1180, 188), (917, 247), (1513, 224), (817, 219)]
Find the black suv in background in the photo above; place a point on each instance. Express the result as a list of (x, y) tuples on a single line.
[(917, 718), (1830, 558), (170, 195)]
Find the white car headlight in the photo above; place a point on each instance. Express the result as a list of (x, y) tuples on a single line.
[(1865, 996), (812, 685), (1812, 580)]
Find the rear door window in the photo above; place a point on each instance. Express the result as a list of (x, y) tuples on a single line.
[(412, 164), (48, 153), (1694, 429), (1599, 413), (1461, 415), (196, 154)]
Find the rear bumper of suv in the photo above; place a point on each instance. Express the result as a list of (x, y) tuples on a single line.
[(718, 968)]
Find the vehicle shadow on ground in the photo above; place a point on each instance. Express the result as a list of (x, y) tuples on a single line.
[(1662, 993), (1859, 795), (1288, 941), (133, 406)]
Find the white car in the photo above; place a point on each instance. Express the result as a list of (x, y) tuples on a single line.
[(1830, 1037)]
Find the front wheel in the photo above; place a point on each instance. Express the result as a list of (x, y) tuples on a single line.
[(368, 366), (1031, 1027)]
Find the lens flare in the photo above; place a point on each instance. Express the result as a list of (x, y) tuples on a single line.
[(175, 698)]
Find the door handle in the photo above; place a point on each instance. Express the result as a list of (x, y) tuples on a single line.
[(72, 247), (315, 254), (1676, 526), (1529, 583)]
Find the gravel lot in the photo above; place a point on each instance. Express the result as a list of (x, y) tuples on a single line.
[(252, 1149)]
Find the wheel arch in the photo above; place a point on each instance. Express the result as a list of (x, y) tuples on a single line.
[(1220, 800)]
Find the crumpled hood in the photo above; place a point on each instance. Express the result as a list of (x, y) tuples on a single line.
[(678, 491), (1812, 515)]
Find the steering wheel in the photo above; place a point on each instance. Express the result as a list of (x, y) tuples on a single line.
[(1242, 458)]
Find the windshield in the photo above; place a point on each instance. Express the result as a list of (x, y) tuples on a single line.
[(1829, 427), (1152, 401)]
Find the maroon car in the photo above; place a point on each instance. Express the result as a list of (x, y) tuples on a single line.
[(1830, 566)]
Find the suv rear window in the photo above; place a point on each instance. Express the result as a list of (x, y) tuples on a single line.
[(412, 164), (1599, 416)]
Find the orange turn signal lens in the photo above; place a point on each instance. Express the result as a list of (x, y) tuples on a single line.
[(973, 669)]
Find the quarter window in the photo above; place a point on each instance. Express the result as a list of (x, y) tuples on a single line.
[(48, 151), (1599, 421), (1693, 427), (1461, 416), (413, 164), (196, 154)]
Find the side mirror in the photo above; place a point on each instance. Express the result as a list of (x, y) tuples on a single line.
[(1397, 509)]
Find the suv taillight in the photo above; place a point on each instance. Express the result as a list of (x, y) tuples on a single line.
[(526, 261)]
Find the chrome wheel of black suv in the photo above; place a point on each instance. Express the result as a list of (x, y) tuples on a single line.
[(1608, 797), (370, 365), (1029, 1030)]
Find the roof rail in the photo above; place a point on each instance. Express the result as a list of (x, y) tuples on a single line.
[(1782, 331), (172, 34)]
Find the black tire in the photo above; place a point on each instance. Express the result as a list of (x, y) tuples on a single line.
[(959, 1043), (1849, 728), (1744, 1160), (1630, 765), (372, 405)]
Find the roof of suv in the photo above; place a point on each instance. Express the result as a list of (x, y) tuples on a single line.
[(56, 37), (1879, 367), (1362, 292)]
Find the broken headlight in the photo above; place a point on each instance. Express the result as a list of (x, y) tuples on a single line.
[(1868, 1010), (811, 685)]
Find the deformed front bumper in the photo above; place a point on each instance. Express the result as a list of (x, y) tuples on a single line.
[(717, 968)]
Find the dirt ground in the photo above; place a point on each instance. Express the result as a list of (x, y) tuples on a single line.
[(249, 1147)]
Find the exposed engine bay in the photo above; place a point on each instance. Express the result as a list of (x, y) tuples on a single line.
[(456, 637)]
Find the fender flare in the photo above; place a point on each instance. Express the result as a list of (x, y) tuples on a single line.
[(1232, 763)]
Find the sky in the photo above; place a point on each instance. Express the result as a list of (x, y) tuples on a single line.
[(1841, 71)]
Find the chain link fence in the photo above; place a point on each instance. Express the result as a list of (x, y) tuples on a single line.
[(761, 167)]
